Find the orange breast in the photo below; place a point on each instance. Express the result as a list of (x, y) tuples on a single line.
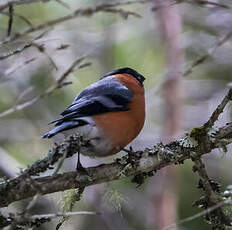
[(123, 127)]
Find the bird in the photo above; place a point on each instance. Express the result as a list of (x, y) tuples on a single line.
[(108, 114)]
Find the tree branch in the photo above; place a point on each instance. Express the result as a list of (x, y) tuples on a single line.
[(145, 161), (81, 12), (60, 82), (210, 52), (140, 165), (200, 214), (23, 2), (218, 110), (211, 198), (10, 22)]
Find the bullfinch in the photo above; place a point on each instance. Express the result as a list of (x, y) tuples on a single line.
[(108, 114)]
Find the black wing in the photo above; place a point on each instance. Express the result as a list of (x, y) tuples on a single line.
[(106, 95)]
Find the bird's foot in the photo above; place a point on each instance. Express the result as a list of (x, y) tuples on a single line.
[(131, 159), (81, 169), (79, 166)]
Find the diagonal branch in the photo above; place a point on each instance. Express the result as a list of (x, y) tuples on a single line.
[(212, 197), (218, 110), (200, 214), (59, 84), (210, 52), (10, 22)]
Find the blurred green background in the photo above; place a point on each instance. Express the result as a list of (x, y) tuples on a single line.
[(111, 42)]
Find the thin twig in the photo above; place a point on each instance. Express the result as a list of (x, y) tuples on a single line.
[(11, 14), (193, 2), (210, 52), (204, 212), (69, 145), (41, 49), (59, 214), (64, 4), (21, 2), (18, 50), (23, 94), (59, 84), (36, 220), (69, 70), (19, 16), (22, 48), (204, 178), (85, 12), (34, 199), (31, 204), (60, 163), (206, 3), (219, 219), (199, 2), (6, 4), (214, 117), (20, 107), (9, 166), (123, 13), (16, 68)]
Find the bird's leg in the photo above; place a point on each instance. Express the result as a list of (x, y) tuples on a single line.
[(79, 166)]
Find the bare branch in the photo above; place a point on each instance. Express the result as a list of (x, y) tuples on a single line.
[(68, 71), (200, 214), (60, 163), (59, 84), (217, 217), (64, 4), (11, 13), (31, 204), (22, 2), (9, 165), (69, 146), (146, 161), (219, 110), (20, 107), (210, 52), (7, 3), (85, 12), (206, 3), (21, 49), (16, 68), (55, 215), (19, 16), (203, 3)]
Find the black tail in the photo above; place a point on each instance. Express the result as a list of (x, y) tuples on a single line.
[(65, 126)]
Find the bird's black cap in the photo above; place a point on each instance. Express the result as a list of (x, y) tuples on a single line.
[(127, 70)]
